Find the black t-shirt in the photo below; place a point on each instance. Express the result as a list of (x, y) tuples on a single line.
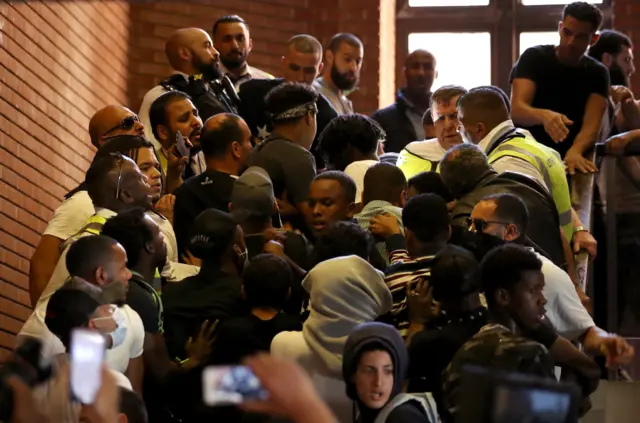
[(209, 190), (243, 336), (562, 88), (209, 295), (291, 167), (142, 300)]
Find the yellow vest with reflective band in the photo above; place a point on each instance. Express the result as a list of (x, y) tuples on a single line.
[(550, 166), (412, 164), (94, 226)]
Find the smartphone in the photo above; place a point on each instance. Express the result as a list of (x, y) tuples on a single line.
[(87, 355), (181, 145), (230, 385)]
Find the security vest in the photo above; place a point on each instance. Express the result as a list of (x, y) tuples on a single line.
[(548, 163), (412, 163)]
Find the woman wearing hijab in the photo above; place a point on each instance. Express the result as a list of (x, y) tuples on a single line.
[(344, 292), (374, 367)]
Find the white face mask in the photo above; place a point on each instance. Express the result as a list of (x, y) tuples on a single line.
[(120, 333)]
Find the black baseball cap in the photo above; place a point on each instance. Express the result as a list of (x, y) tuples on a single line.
[(212, 233), (455, 273)]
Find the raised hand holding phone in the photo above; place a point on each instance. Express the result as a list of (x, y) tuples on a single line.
[(181, 145)]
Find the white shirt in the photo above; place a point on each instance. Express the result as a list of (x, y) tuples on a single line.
[(249, 73), (508, 163), (564, 309), (70, 216), (118, 358), (35, 325), (356, 171)]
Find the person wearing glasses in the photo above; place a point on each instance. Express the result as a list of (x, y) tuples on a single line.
[(503, 218), (466, 171), (105, 125), (114, 184)]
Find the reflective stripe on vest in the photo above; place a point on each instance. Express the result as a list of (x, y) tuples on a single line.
[(412, 164), (550, 168)]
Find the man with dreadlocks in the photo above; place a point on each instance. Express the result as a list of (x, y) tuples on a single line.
[(285, 154), (349, 143)]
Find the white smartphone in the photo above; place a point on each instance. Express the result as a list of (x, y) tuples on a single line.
[(87, 355), (181, 145), (230, 385)]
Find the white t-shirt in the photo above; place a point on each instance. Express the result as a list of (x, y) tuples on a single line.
[(118, 358), (71, 216), (564, 309), (356, 171)]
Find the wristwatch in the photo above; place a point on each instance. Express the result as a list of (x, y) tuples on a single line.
[(580, 229)]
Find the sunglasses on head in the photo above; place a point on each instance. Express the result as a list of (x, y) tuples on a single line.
[(125, 124), (481, 224), (121, 165)]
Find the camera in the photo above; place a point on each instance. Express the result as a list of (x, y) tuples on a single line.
[(25, 365)]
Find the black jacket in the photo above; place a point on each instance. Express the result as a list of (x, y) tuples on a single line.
[(210, 98), (253, 111), (396, 124), (544, 223)]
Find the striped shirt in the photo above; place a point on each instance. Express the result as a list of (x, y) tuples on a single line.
[(405, 271)]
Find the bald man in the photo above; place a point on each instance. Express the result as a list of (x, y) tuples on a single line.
[(226, 143), (302, 62), (196, 72), (112, 121), (73, 213), (403, 120)]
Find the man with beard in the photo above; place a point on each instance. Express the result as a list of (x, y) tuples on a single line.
[(559, 94), (424, 156), (174, 115), (232, 40), (342, 71), (302, 63), (196, 66), (403, 121)]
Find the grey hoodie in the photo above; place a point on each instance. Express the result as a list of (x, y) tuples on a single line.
[(344, 293)]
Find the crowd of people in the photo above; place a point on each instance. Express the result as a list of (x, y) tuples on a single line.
[(355, 264)]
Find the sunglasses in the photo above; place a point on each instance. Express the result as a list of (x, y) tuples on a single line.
[(125, 124), (480, 224)]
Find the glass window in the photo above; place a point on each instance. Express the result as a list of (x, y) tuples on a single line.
[(438, 3), (530, 39), (463, 58), (545, 2)]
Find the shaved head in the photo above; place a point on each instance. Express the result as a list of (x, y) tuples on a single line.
[(112, 121), (419, 55), (226, 134), (304, 43), (479, 111), (190, 50)]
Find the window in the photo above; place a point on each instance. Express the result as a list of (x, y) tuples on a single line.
[(548, 2), (477, 41), (467, 64), (530, 39), (440, 3)]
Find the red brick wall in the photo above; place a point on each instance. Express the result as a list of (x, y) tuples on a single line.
[(59, 62), (626, 15), (272, 24)]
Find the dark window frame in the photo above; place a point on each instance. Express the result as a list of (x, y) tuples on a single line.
[(503, 19)]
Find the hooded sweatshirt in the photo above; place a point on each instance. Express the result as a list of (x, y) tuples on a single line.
[(344, 293), (400, 407)]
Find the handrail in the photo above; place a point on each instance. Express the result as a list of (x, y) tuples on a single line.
[(610, 164)]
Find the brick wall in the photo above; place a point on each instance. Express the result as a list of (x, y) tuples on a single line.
[(272, 23), (625, 19), (59, 62)]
